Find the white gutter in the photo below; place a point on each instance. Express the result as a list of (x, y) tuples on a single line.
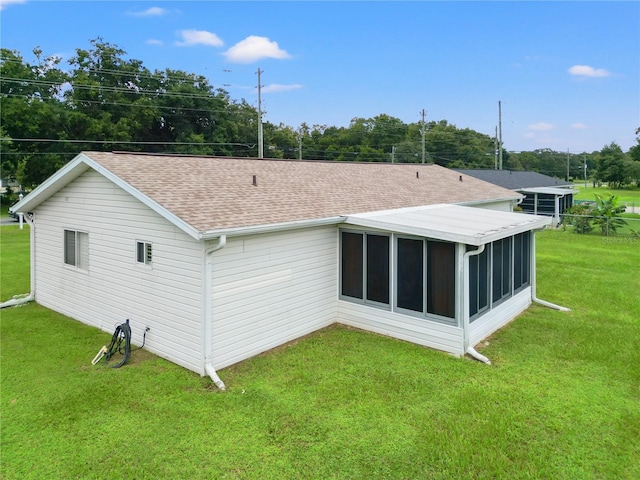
[(208, 313), (465, 313), (22, 299), (268, 228), (534, 280)]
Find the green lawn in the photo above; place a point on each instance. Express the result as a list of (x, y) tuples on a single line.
[(14, 269), (561, 399), (628, 196)]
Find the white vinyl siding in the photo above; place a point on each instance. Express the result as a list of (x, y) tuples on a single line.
[(413, 329), (270, 289), (167, 298), (499, 316)]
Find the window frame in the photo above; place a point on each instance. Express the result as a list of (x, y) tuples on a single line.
[(398, 282), (147, 253), (426, 280), (364, 278), (80, 247), (482, 281), (521, 261), (506, 271)]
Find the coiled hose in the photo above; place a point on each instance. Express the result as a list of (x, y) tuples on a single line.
[(120, 343)]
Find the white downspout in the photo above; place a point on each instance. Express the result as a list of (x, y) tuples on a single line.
[(22, 299), (465, 312), (208, 313), (534, 280)]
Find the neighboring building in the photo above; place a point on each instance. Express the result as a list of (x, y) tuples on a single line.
[(543, 195), (255, 253)]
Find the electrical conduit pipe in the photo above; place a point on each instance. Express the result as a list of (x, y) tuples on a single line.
[(208, 314)]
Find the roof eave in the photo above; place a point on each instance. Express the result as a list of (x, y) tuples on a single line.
[(510, 198), (269, 228)]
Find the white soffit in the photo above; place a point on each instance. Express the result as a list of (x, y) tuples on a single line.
[(454, 223)]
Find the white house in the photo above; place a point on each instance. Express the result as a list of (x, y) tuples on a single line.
[(224, 258)]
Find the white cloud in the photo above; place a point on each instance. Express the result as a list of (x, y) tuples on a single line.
[(541, 127), (579, 126), (254, 48), (5, 3), (150, 12), (588, 71), (199, 37), (153, 41), (275, 88)]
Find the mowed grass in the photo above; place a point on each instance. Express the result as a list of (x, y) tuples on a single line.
[(14, 269), (628, 196), (560, 401)]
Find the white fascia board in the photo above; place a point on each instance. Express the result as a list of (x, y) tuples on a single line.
[(79, 165), (518, 196), (141, 197), (516, 223), (53, 184), (270, 228), (550, 190)]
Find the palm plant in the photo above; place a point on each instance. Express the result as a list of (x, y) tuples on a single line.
[(607, 211)]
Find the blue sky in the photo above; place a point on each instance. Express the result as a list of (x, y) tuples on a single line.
[(567, 73)]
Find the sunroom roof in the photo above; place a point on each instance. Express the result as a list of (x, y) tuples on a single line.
[(454, 223)]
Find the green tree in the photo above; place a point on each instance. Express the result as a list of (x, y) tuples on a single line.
[(611, 166)]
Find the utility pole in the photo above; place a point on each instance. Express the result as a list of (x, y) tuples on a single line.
[(584, 159), (260, 139), (393, 154), (495, 150), (500, 133), (300, 143), (422, 132), (567, 164)]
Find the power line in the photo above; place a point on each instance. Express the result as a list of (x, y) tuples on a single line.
[(128, 142)]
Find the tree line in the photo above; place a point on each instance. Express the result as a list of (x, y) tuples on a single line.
[(106, 101)]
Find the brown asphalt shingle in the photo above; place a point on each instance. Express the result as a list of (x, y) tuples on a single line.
[(211, 193)]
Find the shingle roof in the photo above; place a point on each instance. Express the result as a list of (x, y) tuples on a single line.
[(219, 191), (514, 180)]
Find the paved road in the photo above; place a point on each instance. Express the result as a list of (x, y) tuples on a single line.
[(8, 221)]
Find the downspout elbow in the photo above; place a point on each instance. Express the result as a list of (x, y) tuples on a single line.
[(222, 241), (18, 300), (478, 356), (549, 304), (214, 376)]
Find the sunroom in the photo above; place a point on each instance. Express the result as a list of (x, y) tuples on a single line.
[(443, 276)]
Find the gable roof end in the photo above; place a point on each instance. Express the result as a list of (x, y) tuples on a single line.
[(79, 165)]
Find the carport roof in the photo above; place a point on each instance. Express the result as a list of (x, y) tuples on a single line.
[(454, 223)]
